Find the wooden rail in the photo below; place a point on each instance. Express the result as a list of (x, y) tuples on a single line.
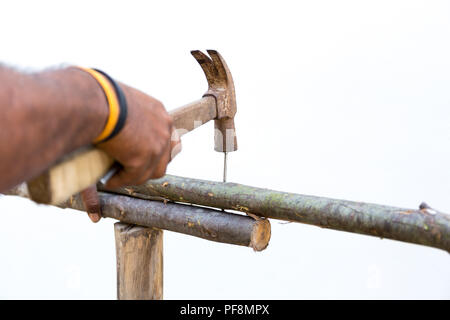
[(422, 225), (144, 211)]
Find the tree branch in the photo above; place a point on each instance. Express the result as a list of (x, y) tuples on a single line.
[(421, 226), (196, 221)]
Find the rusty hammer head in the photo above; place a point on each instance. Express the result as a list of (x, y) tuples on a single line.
[(221, 87)]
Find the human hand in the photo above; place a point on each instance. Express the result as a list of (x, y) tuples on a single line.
[(143, 147)]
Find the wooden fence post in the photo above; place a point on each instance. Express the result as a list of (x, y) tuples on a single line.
[(139, 254)]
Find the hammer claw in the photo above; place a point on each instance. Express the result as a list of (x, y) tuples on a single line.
[(219, 64), (200, 56), (206, 64)]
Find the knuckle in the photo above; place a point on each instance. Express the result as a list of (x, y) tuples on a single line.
[(167, 117), (159, 105), (165, 136), (135, 164), (163, 114), (158, 148)]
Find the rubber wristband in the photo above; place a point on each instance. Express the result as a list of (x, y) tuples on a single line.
[(116, 104), (123, 112)]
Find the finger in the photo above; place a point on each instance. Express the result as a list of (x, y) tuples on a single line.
[(161, 165), (135, 175), (92, 203), (124, 177)]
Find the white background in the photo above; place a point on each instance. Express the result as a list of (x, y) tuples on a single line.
[(343, 99)]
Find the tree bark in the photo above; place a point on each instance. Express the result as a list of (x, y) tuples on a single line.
[(421, 226), (139, 255), (196, 221)]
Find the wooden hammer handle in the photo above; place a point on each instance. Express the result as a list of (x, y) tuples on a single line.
[(86, 166)]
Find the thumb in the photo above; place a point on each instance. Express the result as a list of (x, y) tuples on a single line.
[(92, 203)]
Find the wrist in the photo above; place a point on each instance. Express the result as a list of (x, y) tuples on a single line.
[(117, 104), (92, 103), (116, 123)]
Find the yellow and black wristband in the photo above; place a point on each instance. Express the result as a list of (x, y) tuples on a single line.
[(117, 104)]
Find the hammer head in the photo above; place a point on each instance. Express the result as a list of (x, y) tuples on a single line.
[(221, 87)]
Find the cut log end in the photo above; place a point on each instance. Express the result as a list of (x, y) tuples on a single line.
[(260, 235)]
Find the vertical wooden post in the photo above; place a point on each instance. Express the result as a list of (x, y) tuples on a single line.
[(139, 254)]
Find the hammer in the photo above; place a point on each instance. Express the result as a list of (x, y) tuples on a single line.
[(86, 166)]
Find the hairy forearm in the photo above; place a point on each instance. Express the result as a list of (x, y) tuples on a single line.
[(43, 116)]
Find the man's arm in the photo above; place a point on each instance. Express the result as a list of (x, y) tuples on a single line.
[(44, 116), (48, 114)]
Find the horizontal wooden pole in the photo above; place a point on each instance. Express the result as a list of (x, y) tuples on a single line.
[(421, 226), (196, 221)]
